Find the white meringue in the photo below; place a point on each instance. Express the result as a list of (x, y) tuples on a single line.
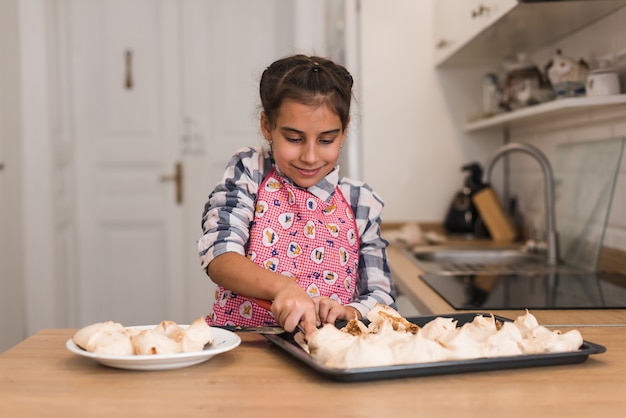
[(109, 338), (417, 349), (113, 338), (505, 342), (150, 342), (328, 345), (438, 328), (461, 344), (390, 340), (196, 336), (526, 323), (568, 341)]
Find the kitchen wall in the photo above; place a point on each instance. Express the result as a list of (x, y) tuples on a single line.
[(413, 144), (412, 118), (605, 38)]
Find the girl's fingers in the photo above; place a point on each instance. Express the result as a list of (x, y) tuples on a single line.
[(329, 310)]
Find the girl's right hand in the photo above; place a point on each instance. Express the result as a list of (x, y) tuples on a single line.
[(293, 306)]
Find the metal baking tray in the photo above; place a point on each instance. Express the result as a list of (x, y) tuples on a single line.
[(286, 342)]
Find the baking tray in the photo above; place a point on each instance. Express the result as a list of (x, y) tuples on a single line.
[(286, 342)]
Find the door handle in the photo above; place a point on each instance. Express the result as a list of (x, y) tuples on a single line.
[(177, 178), (128, 69)]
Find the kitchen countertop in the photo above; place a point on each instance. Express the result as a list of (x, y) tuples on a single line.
[(39, 377)]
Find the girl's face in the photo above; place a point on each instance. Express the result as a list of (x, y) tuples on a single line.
[(305, 141)]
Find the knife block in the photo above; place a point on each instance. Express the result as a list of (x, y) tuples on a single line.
[(498, 224)]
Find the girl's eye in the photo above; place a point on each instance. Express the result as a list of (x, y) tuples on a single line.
[(327, 141), (291, 139)]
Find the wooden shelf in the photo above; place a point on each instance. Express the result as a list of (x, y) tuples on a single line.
[(553, 108)]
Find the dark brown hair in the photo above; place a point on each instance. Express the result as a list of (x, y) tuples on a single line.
[(312, 81)]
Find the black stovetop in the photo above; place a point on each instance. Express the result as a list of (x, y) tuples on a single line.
[(521, 291)]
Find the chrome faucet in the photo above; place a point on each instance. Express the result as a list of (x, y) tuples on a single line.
[(552, 236)]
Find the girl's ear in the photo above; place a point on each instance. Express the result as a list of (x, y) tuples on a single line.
[(266, 127)]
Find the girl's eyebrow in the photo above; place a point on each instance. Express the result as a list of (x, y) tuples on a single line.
[(296, 131)]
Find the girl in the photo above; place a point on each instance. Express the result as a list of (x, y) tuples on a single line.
[(283, 225)]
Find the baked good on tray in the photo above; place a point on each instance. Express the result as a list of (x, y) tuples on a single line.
[(390, 339)]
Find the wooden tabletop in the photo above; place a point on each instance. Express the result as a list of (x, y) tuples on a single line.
[(40, 378)]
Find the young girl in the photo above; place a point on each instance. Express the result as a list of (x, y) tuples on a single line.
[(283, 225)]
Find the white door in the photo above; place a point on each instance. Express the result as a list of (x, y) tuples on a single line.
[(125, 73), (157, 83)]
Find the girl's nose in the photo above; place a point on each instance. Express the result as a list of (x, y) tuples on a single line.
[(309, 153)]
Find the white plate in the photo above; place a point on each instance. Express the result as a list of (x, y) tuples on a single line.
[(224, 341)]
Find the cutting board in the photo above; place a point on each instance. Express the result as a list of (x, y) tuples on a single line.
[(499, 225)]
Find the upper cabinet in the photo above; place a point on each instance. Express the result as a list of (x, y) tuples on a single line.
[(459, 23), (479, 32), (484, 33)]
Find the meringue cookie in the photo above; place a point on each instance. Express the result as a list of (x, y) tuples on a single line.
[(109, 338), (390, 340), (112, 338)]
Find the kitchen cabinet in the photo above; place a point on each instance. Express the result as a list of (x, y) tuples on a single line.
[(478, 32), (486, 33), (458, 22)]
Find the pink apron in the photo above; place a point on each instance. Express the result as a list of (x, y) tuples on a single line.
[(296, 234)]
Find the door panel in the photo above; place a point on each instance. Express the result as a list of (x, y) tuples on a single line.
[(125, 83), (138, 260)]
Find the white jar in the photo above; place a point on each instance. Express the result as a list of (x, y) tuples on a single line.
[(603, 82), (491, 95)]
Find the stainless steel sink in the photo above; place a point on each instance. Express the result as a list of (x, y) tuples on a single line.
[(463, 261)]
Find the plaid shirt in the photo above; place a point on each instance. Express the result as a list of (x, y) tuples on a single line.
[(230, 210)]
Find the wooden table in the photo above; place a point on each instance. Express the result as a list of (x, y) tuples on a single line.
[(40, 378)]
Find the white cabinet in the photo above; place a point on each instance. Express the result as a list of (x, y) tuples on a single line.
[(473, 32), (458, 22), (485, 32)]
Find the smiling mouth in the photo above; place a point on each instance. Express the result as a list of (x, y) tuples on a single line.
[(308, 172)]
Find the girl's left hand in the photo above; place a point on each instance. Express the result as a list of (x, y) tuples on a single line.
[(329, 310)]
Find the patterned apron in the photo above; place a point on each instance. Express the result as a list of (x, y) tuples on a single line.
[(296, 234)]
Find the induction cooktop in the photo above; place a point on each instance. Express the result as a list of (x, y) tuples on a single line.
[(531, 291)]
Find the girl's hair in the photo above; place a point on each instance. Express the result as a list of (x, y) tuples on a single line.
[(312, 81)]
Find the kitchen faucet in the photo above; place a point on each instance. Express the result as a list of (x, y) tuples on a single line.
[(552, 236)]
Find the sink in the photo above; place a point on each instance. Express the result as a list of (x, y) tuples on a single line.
[(463, 261)]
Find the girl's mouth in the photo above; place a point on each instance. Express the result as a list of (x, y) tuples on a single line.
[(308, 172)]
